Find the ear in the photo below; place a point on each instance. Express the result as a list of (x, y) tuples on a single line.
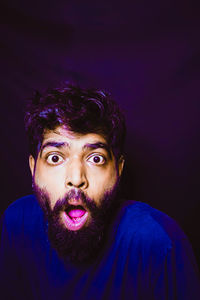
[(121, 165), (31, 164)]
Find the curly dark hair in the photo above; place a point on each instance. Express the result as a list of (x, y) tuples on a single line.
[(81, 110)]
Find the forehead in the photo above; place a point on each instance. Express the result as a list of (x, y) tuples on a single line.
[(62, 135)]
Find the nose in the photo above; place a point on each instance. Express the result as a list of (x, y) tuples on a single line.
[(76, 175)]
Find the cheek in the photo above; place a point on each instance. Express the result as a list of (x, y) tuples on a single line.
[(102, 182), (48, 176), (51, 180)]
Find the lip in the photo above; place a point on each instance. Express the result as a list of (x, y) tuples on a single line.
[(74, 224)]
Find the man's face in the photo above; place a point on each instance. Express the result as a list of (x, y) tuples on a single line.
[(75, 173)]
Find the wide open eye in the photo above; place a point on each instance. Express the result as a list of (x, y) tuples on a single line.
[(96, 159), (54, 159)]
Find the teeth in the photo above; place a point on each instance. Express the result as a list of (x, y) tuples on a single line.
[(76, 219)]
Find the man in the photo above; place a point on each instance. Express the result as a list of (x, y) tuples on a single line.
[(76, 238)]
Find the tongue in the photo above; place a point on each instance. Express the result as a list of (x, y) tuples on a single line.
[(76, 213)]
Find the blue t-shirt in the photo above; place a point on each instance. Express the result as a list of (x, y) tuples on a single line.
[(146, 256)]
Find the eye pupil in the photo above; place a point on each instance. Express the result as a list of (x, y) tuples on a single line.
[(96, 159), (55, 158)]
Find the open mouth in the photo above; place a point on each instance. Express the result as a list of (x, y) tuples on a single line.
[(75, 217)]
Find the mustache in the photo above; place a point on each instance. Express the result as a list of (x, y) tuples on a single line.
[(74, 198)]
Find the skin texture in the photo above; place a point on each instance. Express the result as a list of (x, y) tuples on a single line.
[(69, 161)]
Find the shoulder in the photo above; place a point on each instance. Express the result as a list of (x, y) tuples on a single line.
[(25, 204), (23, 210), (149, 227)]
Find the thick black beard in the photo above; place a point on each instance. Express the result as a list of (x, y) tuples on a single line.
[(84, 245)]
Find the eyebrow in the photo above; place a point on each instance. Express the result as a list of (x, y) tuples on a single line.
[(97, 146), (53, 144), (92, 146)]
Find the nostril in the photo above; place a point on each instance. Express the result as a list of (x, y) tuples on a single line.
[(81, 185)]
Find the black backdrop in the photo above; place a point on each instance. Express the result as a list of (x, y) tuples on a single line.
[(146, 53)]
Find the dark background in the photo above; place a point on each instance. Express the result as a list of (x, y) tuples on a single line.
[(147, 54)]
